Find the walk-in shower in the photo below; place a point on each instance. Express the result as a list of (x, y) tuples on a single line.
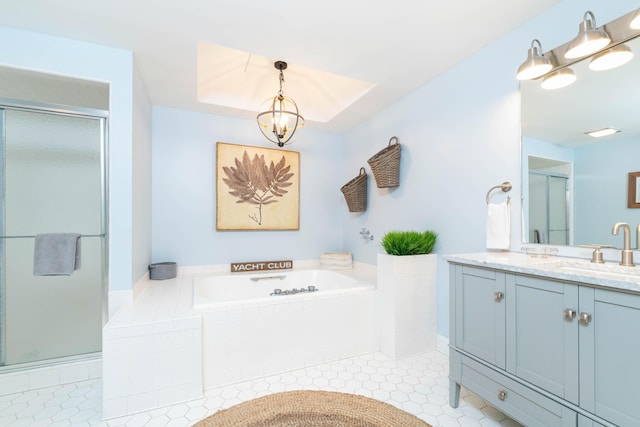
[(52, 180)]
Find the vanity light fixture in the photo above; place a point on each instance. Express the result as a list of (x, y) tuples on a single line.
[(602, 132), (589, 39), (611, 58), (535, 65), (635, 22), (558, 79), (280, 118), (606, 44)]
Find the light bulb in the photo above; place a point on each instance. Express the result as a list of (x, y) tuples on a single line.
[(611, 58), (635, 22), (559, 79)]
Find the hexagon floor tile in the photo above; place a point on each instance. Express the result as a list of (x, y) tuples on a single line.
[(419, 385)]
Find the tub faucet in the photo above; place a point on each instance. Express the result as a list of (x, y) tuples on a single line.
[(366, 235), (627, 253)]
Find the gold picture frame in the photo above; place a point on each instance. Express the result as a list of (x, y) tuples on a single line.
[(257, 188), (633, 190)]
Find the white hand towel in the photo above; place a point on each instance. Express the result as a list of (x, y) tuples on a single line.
[(499, 225)]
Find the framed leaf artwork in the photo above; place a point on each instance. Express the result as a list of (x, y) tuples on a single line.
[(257, 188)]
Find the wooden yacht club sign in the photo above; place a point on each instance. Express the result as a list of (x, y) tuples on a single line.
[(242, 267)]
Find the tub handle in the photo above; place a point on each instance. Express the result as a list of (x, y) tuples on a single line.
[(255, 279)]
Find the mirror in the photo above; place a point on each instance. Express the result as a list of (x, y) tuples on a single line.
[(575, 187)]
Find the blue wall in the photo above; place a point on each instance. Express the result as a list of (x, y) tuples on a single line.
[(601, 180), (460, 136), (184, 228), (55, 55)]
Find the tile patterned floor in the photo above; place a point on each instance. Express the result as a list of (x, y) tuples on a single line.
[(418, 385)]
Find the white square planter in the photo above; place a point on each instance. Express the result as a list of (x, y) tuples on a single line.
[(407, 304)]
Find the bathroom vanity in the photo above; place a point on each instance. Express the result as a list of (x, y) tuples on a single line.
[(548, 341)]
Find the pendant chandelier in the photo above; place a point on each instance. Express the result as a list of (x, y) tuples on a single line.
[(280, 118)]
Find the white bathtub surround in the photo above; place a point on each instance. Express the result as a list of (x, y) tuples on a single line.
[(152, 346), (407, 304), (152, 350), (265, 335)]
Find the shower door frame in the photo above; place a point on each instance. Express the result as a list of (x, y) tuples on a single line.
[(61, 110)]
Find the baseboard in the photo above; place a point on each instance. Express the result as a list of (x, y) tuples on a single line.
[(442, 344), (60, 373)]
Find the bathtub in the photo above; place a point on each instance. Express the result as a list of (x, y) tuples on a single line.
[(215, 292), (247, 333)]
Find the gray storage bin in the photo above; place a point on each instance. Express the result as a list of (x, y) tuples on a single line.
[(163, 270)]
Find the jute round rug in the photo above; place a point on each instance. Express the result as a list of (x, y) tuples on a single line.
[(312, 409)]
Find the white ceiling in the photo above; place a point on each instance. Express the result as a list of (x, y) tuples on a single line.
[(394, 47)]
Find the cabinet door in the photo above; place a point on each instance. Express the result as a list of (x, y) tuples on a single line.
[(610, 355), (586, 422), (479, 309), (542, 334)]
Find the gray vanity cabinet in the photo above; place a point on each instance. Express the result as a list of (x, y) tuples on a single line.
[(586, 422), (542, 332), (546, 352), (481, 331), (610, 355)]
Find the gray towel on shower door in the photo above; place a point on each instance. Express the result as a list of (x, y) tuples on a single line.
[(56, 254)]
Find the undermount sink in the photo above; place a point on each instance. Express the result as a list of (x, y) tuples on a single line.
[(588, 267)]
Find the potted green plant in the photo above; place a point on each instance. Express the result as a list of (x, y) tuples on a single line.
[(407, 293), (409, 242)]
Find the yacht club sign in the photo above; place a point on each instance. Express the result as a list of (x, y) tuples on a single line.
[(243, 267)]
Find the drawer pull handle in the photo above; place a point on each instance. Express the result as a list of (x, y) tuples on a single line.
[(585, 318), (569, 313), (498, 296), (502, 395)]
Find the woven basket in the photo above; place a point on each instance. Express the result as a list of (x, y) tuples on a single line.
[(385, 165), (163, 270), (355, 192)]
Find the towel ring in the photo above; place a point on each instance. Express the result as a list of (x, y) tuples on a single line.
[(505, 187)]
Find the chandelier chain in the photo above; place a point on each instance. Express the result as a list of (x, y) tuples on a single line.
[(280, 93)]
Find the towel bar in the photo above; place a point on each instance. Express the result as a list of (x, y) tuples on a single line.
[(505, 187), (33, 237)]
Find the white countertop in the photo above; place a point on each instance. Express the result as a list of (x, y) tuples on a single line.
[(609, 275)]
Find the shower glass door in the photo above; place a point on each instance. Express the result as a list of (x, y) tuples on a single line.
[(52, 170), (548, 208)]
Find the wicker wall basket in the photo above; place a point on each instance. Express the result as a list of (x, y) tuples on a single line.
[(355, 192), (385, 165)]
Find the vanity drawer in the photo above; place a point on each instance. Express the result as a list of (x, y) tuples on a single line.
[(521, 403)]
